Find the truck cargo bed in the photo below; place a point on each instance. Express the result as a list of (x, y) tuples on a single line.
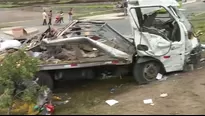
[(85, 62), (73, 45)]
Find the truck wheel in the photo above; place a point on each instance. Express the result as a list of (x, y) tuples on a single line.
[(146, 72), (45, 79)]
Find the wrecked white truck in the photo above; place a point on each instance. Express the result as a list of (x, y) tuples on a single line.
[(162, 42)]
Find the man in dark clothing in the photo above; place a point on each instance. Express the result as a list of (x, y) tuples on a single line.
[(50, 17), (125, 7)]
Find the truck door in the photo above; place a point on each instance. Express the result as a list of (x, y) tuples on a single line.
[(176, 55)]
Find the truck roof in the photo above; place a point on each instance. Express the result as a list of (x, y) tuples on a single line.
[(154, 2)]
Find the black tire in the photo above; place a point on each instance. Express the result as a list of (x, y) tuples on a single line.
[(45, 80), (141, 74)]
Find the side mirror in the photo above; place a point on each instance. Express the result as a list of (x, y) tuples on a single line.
[(142, 47)]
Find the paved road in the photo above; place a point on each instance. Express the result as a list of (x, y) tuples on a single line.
[(123, 26)]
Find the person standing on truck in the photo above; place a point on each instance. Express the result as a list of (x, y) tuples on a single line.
[(50, 17), (44, 14), (70, 15)]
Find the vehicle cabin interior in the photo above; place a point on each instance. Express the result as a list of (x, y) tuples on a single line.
[(159, 23)]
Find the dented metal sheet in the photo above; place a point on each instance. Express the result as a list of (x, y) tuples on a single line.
[(110, 50)]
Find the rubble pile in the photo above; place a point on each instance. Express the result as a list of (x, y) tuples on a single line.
[(78, 41), (66, 53)]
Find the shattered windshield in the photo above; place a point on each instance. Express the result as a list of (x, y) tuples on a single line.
[(159, 22), (182, 17)]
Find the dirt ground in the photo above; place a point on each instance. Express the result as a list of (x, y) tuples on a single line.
[(185, 91)]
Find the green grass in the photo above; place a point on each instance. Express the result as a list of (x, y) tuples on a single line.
[(9, 6), (164, 11), (199, 24)]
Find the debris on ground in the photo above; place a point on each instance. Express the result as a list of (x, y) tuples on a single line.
[(159, 76), (112, 90), (176, 74), (148, 101), (59, 101), (199, 68), (9, 44), (163, 95), (56, 98), (202, 59), (111, 102), (164, 78)]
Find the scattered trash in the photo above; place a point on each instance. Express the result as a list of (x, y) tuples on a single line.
[(95, 49), (56, 98), (112, 90), (36, 54), (152, 104), (65, 102), (164, 95), (61, 102), (148, 101), (121, 85), (202, 59), (7, 44), (176, 74), (111, 102), (164, 78), (159, 76), (199, 68)]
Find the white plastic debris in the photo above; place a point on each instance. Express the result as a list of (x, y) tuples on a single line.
[(202, 59), (148, 101), (111, 102), (163, 95), (152, 104), (65, 102), (36, 54), (95, 49), (159, 76), (164, 78), (199, 68), (6, 44)]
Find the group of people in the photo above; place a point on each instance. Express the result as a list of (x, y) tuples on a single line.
[(59, 17)]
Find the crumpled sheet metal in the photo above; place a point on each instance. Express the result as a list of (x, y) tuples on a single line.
[(112, 51)]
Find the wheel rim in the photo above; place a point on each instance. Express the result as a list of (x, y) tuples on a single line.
[(150, 71)]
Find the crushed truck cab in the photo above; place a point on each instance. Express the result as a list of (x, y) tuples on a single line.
[(166, 38)]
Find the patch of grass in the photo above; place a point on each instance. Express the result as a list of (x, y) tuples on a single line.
[(9, 6), (93, 14), (83, 8), (199, 24)]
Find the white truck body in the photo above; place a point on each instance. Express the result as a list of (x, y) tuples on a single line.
[(172, 54)]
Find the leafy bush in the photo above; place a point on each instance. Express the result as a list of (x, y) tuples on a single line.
[(15, 68)]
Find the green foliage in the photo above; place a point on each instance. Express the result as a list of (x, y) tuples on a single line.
[(15, 68), (6, 99)]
